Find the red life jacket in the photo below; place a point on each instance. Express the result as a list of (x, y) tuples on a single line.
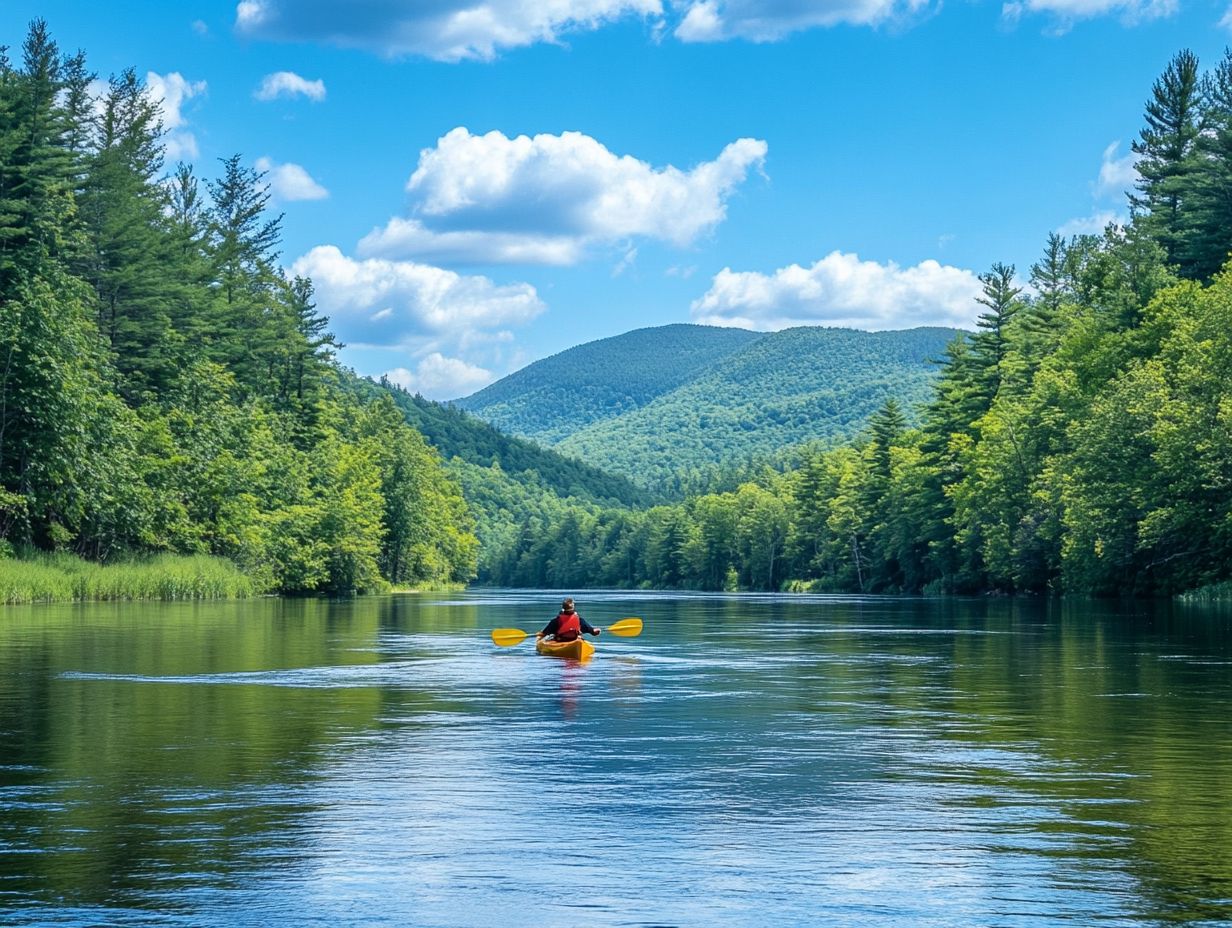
[(568, 626)]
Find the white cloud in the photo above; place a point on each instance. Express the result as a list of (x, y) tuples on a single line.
[(289, 84), (375, 302), (627, 260), (439, 377), (1065, 13), (410, 237), (446, 30), (1226, 22), (290, 182), (546, 199), (1116, 175), (1093, 224), (171, 92), (841, 290), (771, 20), (200, 28)]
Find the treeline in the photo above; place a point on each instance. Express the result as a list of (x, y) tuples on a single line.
[(163, 387), (1080, 440)]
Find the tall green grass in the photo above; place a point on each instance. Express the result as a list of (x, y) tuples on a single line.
[(47, 578), (1212, 593)]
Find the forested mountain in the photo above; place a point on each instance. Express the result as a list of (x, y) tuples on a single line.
[(164, 387), (459, 435), (783, 389), (1080, 440), (555, 397)]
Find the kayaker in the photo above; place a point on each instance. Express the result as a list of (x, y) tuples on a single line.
[(568, 625)]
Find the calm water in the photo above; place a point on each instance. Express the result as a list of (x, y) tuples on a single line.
[(747, 761)]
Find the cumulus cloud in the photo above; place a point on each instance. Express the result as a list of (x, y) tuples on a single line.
[(289, 84), (1094, 224), (290, 182), (375, 302), (1117, 175), (171, 92), (841, 290), (547, 199), (446, 30), (1065, 13), (771, 20), (439, 377)]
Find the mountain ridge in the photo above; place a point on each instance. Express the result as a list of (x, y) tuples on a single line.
[(551, 398), (751, 396)]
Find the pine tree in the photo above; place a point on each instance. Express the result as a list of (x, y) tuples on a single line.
[(990, 345), (243, 249), (1207, 238), (122, 207), (885, 427), (37, 171), (1165, 149)]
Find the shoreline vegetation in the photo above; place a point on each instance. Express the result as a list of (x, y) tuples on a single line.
[(166, 391), (64, 578), (37, 577)]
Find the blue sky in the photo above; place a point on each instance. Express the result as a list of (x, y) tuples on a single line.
[(475, 184)]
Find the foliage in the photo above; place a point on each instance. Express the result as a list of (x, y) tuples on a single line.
[(41, 578), (458, 434), (555, 397), (1080, 440), (163, 388)]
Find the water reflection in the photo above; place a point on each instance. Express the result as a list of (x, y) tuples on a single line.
[(798, 760)]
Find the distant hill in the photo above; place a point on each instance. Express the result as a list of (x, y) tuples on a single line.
[(554, 398), (786, 388), (751, 399), (459, 435)]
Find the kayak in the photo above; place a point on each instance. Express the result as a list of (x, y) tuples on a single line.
[(578, 649)]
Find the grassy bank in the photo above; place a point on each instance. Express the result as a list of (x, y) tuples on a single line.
[(47, 578), (441, 586), (1213, 593)]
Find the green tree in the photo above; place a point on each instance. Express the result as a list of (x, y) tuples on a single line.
[(1165, 149)]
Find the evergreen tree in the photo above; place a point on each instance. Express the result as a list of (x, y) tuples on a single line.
[(122, 206), (247, 317), (991, 344), (1208, 227), (1165, 151)]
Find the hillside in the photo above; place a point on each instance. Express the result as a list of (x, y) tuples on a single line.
[(459, 435), (553, 398), (781, 389)]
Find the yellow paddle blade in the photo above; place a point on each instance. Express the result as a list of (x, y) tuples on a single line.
[(625, 628), (505, 637)]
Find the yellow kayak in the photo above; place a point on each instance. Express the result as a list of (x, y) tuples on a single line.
[(578, 649)]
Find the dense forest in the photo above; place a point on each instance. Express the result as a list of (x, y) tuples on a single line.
[(799, 385), (164, 388), (1079, 440), (554, 398)]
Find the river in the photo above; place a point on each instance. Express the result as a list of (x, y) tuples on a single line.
[(749, 760)]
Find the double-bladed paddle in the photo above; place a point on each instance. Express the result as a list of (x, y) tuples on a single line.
[(507, 637)]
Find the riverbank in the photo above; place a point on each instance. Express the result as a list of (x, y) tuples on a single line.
[(50, 578), (1211, 593)]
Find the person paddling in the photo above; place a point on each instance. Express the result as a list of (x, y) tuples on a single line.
[(568, 625)]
